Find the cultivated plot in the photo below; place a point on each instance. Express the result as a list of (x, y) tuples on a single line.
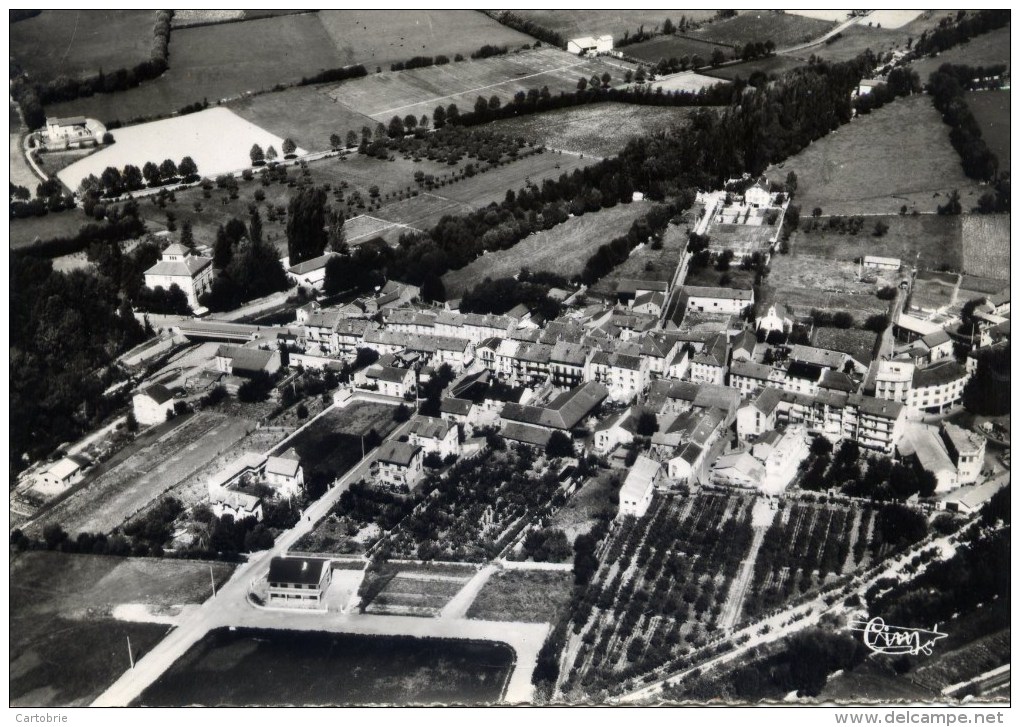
[(991, 109), (419, 91), (677, 46), (524, 595), (898, 155), (218, 140), (562, 250), (986, 249), (777, 65), (751, 26), (117, 494), (598, 130)]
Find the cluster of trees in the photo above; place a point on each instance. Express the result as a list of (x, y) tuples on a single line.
[(652, 225), (489, 51), (548, 545), (423, 62), (114, 182), (879, 479), (966, 26), (65, 329), (668, 27), (987, 391), (121, 223), (49, 197), (66, 88), (249, 267), (333, 75), (540, 100), (947, 86), (501, 295)]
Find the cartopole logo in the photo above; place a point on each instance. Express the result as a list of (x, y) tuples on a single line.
[(885, 639)]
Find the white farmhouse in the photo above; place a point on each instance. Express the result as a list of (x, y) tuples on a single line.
[(191, 273), (590, 45), (636, 493), (152, 405)]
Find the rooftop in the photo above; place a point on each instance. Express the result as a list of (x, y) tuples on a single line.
[(297, 571), (399, 453)]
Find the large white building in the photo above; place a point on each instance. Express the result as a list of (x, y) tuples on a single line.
[(193, 274), (637, 489), (590, 45)]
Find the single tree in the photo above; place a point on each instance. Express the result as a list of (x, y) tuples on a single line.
[(187, 238), (306, 225), (151, 173), (334, 141), (271, 154), (606, 79), (352, 138), (582, 83), (168, 170), (188, 169), (258, 157), (289, 147)]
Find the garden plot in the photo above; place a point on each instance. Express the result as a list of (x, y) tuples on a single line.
[(660, 588), (524, 595), (934, 292), (646, 263), (412, 593), (218, 140), (777, 65), (676, 45), (806, 282), (762, 25), (119, 493), (986, 245)]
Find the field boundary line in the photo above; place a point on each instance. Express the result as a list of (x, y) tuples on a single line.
[(473, 90)]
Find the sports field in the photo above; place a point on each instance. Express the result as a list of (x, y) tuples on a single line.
[(216, 62), (991, 109), (898, 155), (562, 250), (419, 91), (76, 43), (217, 140), (599, 130)]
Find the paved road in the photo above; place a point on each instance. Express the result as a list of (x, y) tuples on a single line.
[(818, 41)]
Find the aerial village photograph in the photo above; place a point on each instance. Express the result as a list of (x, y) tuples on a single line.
[(577, 357)]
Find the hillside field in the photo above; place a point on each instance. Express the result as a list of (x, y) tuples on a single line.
[(677, 45), (898, 155), (217, 62), (574, 23), (772, 65), (991, 109), (598, 130), (562, 250), (762, 25), (985, 50), (986, 245), (77, 43)]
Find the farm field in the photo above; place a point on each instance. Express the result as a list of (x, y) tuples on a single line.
[(523, 595), (598, 130), (76, 43), (777, 65), (21, 172), (986, 249), (937, 238), (332, 444), (986, 50), (562, 250), (677, 45), (898, 155), (62, 604), (761, 25), (991, 109), (217, 62), (249, 667), (686, 81), (574, 23), (420, 90), (808, 546), (380, 37), (306, 114), (645, 263), (117, 494), (418, 592), (218, 140), (892, 35), (187, 18), (683, 555)]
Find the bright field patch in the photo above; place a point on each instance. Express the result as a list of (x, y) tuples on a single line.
[(899, 154), (986, 245), (217, 139), (81, 42), (595, 130), (761, 25), (563, 249), (219, 62), (687, 81), (419, 91)]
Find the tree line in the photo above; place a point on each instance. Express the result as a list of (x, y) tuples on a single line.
[(967, 25), (113, 182), (947, 87)]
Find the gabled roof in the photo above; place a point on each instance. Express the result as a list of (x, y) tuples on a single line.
[(245, 359), (63, 468), (526, 433), (572, 354), (630, 286), (390, 374), (936, 339), (751, 370), (285, 465), (316, 263), (563, 412), (158, 393), (399, 453), (640, 478), (837, 381), (429, 427), (963, 440), (701, 291), (67, 120), (453, 405), (817, 356), (767, 400), (745, 340), (189, 267), (298, 571)]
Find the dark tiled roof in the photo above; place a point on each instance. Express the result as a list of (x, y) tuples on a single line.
[(304, 571), (400, 453), (158, 393)]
